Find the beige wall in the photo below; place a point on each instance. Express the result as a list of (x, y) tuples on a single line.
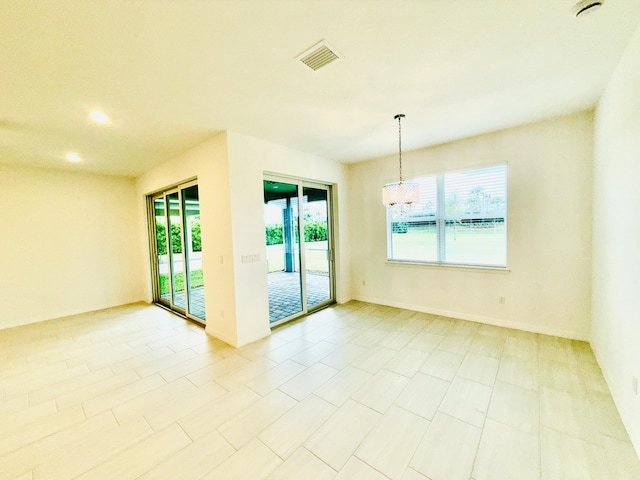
[(251, 159), (616, 237), (209, 164), (68, 244), (548, 283), (230, 169)]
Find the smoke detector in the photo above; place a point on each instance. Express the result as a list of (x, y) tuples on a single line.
[(586, 6), (318, 55)]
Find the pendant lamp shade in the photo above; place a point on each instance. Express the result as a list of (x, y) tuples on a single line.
[(400, 193)]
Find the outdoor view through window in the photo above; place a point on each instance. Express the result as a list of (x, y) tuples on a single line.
[(461, 219)]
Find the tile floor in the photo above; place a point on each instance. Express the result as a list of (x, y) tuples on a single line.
[(355, 391)]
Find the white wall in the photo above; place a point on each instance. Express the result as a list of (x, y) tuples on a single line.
[(208, 163), (230, 170), (548, 286), (249, 159), (68, 244), (616, 237)]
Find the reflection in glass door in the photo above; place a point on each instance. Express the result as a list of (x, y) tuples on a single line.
[(193, 251), (176, 266), (298, 248), (161, 257), (177, 272), (317, 253)]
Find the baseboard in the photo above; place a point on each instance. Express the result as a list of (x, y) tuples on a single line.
[(498, 322), (88, 310), (221, 336), (634, 435)]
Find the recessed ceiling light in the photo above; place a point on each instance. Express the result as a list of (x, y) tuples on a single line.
[(73, 157), (99, 117)]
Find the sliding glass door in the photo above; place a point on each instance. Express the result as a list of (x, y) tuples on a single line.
[(193, 251), (177, 251), (176, 265), (299, 247), (317, 250), (161, 270)]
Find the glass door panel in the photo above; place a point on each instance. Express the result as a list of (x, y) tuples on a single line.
[(193, 251), (317, 253), (283, 250), (175, 250), (162, 258), (177, 246), (299, 252)]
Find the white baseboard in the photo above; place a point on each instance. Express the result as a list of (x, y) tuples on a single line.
[(86, 310), (221, 336), (254, 338), (498, 322), (622, 411)]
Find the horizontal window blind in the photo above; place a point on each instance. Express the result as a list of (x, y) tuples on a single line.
[(461, 219)]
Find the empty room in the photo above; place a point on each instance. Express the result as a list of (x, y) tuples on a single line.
[(319, 239)]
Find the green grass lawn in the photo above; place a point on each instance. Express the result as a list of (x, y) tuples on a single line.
[(195, 277), (315, 256), (465, 245)]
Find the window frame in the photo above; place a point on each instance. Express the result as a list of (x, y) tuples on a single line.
[(440, 220)]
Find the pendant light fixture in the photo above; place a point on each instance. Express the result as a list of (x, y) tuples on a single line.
[(400, 195)]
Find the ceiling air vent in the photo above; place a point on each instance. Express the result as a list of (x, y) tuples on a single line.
[(318, 56)]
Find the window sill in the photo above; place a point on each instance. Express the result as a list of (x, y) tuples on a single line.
[(449, 266)]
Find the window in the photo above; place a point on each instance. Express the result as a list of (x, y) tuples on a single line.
[(460, 219)]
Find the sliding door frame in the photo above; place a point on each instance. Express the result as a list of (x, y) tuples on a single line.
[(153, 250), (330, 244), (300, 184)]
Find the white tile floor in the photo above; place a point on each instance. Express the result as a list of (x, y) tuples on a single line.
[(353, 392)]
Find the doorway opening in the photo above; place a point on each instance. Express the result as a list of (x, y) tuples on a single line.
[(298, 227), (176, 250)]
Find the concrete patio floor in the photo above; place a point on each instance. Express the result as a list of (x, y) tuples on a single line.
[(285, 297)]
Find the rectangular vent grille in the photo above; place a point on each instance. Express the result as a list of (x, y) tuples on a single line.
[(318, 56)]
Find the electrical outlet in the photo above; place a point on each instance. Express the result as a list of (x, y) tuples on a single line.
[(364, 283), (501, 300), (635, 385)]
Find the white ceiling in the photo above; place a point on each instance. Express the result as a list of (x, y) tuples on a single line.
[(172, 73)]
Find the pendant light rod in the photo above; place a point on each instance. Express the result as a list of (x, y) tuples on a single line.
[(399, 117), (400, 195)]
